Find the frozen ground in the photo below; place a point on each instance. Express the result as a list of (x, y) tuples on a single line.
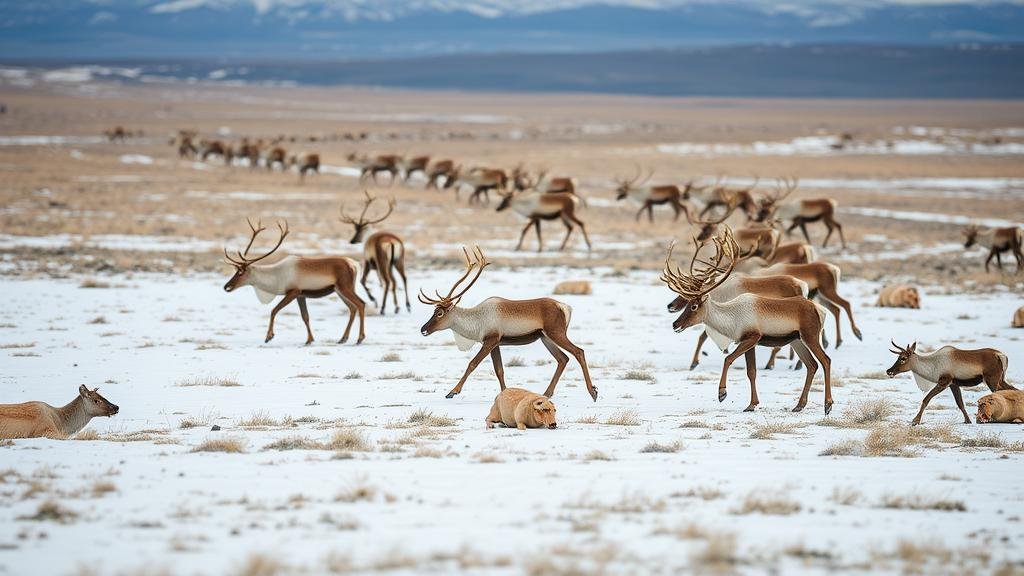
[(729, 491)]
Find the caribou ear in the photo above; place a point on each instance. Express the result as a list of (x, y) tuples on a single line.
[(83, 390), (913, 347)]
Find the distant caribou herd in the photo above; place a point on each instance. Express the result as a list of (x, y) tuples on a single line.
[(755, 290)]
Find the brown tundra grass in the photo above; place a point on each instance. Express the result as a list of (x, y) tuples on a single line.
[(229, 444)]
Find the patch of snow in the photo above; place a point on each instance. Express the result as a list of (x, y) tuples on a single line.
[(284, 504), (136, 159)]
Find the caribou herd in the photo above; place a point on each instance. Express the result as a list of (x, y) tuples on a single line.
[(743, 284)]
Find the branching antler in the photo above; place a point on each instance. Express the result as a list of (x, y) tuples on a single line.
[(699, 283), (478, 262), (362, 221), (243, 256), (899, 349)]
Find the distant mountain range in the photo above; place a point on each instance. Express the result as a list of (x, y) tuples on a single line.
[(829, 70), (361, 29)]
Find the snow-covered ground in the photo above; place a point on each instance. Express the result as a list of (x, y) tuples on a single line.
[(443, 496)]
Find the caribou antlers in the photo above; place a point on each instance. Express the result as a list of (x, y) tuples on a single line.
[(243, 257), (478, 263), (362, 221), (696, 284), (783, 188), (630, 183)]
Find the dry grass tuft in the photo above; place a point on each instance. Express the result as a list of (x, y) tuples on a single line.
[(703, 492), (17, 345), (863, 414), (258, 419), (767, 430), (259, 564), (208, 381), (361, 491), (426, 452), (294, 443), (391, 357), (889, 441), (229, 444), (844, 448), (515, 362), (489, 458), (349, 440), (719, 554), (624, 417), (588, 419), (425, 417), (701, 424), (846, 496), (201, 420), (597, 455), (407, 375), (984, 440), (101, 488), (688, 531), (921, 502), (638, 374), (52, 511), (775, 504), (654, 446)]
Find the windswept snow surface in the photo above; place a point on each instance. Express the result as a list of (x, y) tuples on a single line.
[(424, 495)]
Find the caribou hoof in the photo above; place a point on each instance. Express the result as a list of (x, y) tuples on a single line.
[(857, 334), (722, 395), (450, 395), (750, 408), (694, 365), (343, 340), (828, 408), (800, 407), (593, 394), (269, 338)]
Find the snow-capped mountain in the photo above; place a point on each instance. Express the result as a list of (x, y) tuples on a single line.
[(350, 29)]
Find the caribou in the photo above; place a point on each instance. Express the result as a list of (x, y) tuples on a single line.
[(781, 286), (410, 166), (952, 368), (370, 166), (497, 322), (441, 169), (382, 252), (997, 240), (277, 156), (215, 148), (536, 206), (481, 180), (718, 195), (749, 320), (650, 196), (800, 213), (297, 278), (305, 163)]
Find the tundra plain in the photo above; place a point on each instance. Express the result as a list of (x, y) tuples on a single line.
[(348, 459)]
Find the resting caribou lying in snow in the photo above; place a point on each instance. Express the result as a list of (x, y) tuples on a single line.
[(40, 420)]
